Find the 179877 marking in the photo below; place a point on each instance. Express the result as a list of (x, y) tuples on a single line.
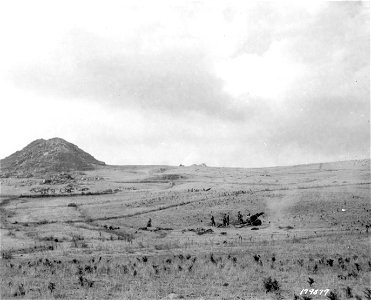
[(314, 292)]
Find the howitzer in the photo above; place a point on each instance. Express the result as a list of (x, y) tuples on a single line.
[(254, 219)]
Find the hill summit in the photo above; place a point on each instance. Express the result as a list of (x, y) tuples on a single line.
[(53, 155)]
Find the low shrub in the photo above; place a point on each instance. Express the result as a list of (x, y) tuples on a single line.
[(271, 285), (6, 255)]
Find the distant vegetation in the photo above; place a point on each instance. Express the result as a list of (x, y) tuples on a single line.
[(157, 232)]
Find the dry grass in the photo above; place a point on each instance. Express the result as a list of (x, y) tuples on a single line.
[(51, 249), (221, 274)]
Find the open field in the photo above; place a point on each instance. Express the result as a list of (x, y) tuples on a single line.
[(315, 224)]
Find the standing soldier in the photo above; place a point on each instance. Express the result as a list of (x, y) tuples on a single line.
[(228, 220), (239, 217), (149, 223), (212, 221), (225, 220), (248, 218)]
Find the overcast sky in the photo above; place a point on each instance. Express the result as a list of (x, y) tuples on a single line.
[(226, 83)]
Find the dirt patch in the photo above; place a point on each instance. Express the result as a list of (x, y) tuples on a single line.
[(199, 231)]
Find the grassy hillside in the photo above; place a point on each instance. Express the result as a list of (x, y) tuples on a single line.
[(79, 246)]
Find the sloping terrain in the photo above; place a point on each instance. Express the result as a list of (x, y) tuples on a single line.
[(55, 155), (315, 227)]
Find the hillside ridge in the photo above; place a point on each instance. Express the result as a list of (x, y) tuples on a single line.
[(52, 155)]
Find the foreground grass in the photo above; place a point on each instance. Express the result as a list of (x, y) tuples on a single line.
[(222, 274), (314, 236)]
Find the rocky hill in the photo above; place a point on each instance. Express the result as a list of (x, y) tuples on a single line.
[(53, 155)]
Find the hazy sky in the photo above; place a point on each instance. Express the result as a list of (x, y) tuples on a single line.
[(226, 83)]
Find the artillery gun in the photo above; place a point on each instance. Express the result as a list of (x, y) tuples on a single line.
[(254, 219)]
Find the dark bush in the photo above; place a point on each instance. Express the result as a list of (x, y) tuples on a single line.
[(348, 292), (367, 293), (20, 291), (6, 255), (51, 286), (271, 285), (333, 295)]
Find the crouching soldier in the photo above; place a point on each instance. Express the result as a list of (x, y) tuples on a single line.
[(149, 223)]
